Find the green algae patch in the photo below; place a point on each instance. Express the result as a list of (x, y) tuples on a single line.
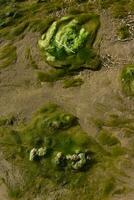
[(69, 41), (59, 131), (127, 80), (8, 55), (55, 129)]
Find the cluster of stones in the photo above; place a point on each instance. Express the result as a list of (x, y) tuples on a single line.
[(37, 153), (129, 21), (78, 159), (107, 61)]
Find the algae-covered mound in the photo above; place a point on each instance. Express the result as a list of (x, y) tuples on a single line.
[(68, 42), (52, 152), (127, 79)]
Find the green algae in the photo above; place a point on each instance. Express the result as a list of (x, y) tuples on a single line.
[(66, 39), (59, 131)]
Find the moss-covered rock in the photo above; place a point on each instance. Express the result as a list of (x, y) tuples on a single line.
[(68, 42), (78, 160), (60, 160), (37, 153)]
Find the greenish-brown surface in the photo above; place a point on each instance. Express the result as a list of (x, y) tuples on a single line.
[(36, 99)]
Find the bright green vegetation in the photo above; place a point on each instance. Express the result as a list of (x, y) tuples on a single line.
[(68, 41), (75, 51), (58, 131), (8, 55), (127, 80), (123, 32), (17, 18), (67, 45)]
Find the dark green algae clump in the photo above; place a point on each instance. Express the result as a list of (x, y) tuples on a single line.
[(69, 41)]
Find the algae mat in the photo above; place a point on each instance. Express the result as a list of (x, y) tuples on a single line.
[(68, 42)]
